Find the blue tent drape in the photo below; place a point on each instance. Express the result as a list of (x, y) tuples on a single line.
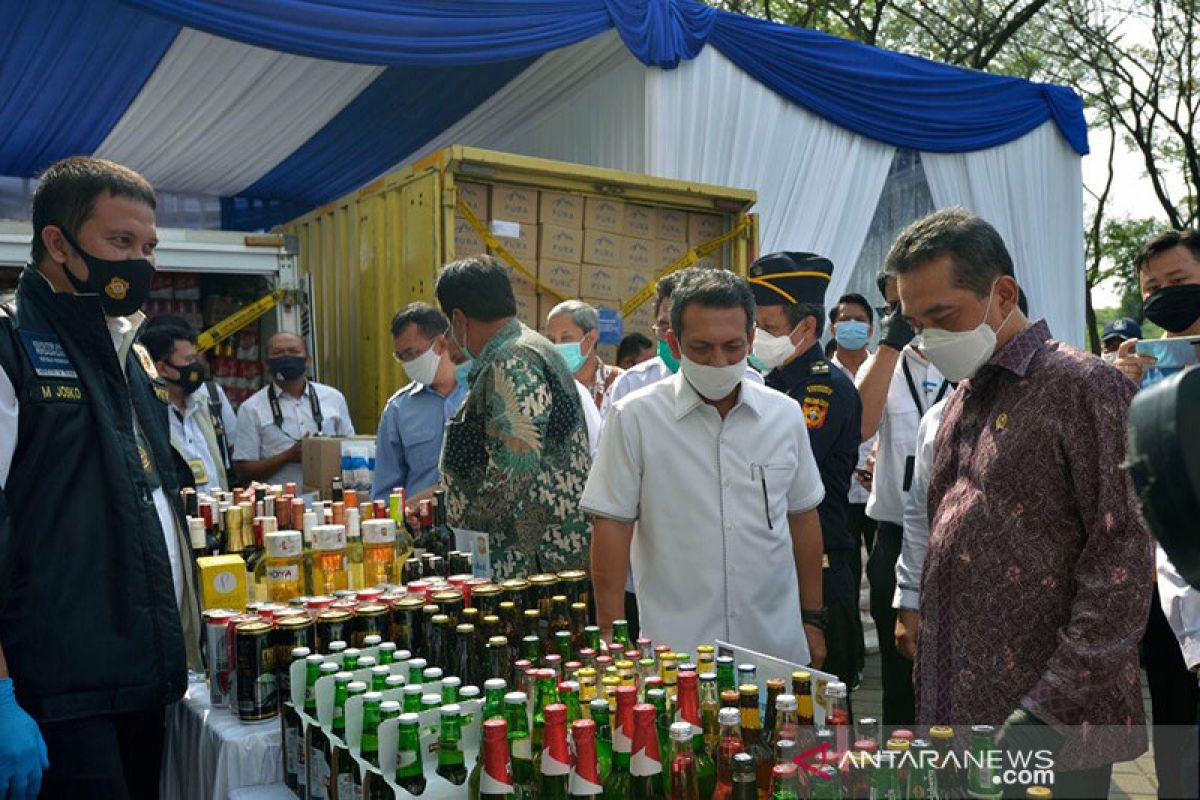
[(893, 98)]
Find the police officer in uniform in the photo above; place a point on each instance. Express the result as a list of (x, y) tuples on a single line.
[(789, 289), (98, 615)]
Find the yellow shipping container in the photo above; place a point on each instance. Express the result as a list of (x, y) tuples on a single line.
[(372, 252)]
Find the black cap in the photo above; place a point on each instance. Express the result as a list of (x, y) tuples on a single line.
[(1121, 328), (790, 278)]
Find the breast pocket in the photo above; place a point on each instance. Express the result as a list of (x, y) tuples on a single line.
[(423, 447), (771, 482)]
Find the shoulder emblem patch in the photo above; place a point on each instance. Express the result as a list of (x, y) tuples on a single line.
[(815, 410)]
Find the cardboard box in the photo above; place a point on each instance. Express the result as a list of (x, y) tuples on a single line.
[(466, 241), (631, 282), (670, 225), (638, 255), (641, 320), (604, 214), (323, 457), (527, 309), (602, 247), (564, 245), (703, 227), (563, 210), (475, 195), (639, 221), (520, 283), (667, 253), (523, 247), (600, 281), (561, 277), (222, 582), (514, 204)]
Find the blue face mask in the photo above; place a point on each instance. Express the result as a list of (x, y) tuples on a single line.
[(572, 354), (461, 371), (664, 352), (852, 334)]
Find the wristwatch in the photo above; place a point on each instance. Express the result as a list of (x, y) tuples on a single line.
[(817, 617)]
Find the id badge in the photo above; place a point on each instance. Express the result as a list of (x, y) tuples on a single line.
[(199, 473)]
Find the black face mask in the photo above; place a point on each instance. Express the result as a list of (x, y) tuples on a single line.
[(286, 368), (191, 376), (1174, 308), (122, 286)]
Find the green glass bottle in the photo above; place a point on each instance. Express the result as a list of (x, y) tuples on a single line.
[(452, 765), (617, 785), (341, 767), (591, 635), (493, 698), (646, 770), (552, 766), (547, 694), (562, 645), (658, 698), (412, 698), (604, 754), (492, 778), (568, 694), (450, 689), (785, 784), (688, 710), (826, 784), (293, 729), (726, 674), (745, 780), (516, 714), (319, 774), (979, 773), (620, 634), (369, 746), (410, 770)]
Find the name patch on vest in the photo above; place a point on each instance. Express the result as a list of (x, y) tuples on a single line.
[(55, 392), (47, 355)]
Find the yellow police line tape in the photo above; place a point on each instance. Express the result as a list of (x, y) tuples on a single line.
[(686, 260), (237, 320)]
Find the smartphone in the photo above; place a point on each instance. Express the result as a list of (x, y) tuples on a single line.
[(1171, 356), (865, 474)]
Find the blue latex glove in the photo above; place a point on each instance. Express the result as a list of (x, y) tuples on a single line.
[(22, 750)]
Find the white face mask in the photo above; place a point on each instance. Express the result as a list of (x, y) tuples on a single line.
[(772, 350), (712, 383), (423, 369), (959, 354)]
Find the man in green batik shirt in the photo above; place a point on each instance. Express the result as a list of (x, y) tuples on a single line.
[(515, 458)]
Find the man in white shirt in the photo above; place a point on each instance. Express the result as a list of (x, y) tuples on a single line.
[(193, 432), (274, 421), (897, 385), (718, 474), (574, 328)]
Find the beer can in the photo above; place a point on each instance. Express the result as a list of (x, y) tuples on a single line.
[(257, 689), (231, 653), (371, 619), (291, 632), (574, 584), (216, 649), (333, 625)]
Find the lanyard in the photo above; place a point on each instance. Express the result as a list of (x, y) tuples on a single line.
[(277, 412), (912, 388), (214, 411)]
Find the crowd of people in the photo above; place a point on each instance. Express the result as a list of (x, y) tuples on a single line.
[(724, 479)]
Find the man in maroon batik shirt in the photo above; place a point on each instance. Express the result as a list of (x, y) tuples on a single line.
[(1037, 579)]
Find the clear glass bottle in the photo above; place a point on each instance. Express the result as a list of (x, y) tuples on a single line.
[(683, 784), (379, 552), (284, 565), (330, 571), (354, 548)]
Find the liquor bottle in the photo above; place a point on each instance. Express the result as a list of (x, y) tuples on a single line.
[(752, 735), (329, 559), (922, 779), (377, 787), (410, 770), (646, 770), (568, 693), (745, 778), (318, 767), (729, 745), (979, 773), (867, 728), (560, 617), (726, 676), (516, 714), (774, 689), (451, 763), (492, 776), (747, 673), (498, 658), (620, 634), (784, 782), (837, 715), (493, 698), (441, 634), (284, 565), (293, 735), (341, 779), (553, 764), (255, 555), (547, 694), (710, 705), (354, 549), (562, 645), (949, 777), (451, 686), (441, 527), (683, 764), (669, 672), (197, 537), (308, 523), (787, 720), (579, 621), (464, 661), (617, 784), (657, 698), (886, 782), (688, 710), (599, 714), (379, 552), (585, 775)]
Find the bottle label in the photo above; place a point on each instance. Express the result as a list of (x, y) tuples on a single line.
[(285, 574), (490, 784), (621, 741), (642, 765), (582, 787), (552, 766)]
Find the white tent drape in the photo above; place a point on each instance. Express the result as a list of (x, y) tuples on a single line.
[(188, 129), (817, 183), (1030, 191)]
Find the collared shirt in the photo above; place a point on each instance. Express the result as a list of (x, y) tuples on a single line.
[(859, 494), (898, 432), (653, 371), (711, 498), (601, 389), (1180, 603), (1037, 578), (916, 515), (408, 444), (228, 415), (188, 439), (591, 418), (516, 456), (259, 437), (833, 413)]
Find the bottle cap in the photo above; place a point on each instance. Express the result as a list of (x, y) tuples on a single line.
[(729, 716), (413, 688), (373, 697), (520, 699), (389, 706), (468, 693), (395, 681), (357, 687), (681, 732), (410, 719), (315, 658), (382, 669), (379, 531), (835, 689), (284, 544), (452, 710), (451, 681), (433, 674), (786, 702), (429, 701), (330, 668), (494, 684), (941, 732), (300, 652), (329, 537), (375, 640), (343, 677)]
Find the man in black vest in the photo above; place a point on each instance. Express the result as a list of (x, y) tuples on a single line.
[(98, 615)]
